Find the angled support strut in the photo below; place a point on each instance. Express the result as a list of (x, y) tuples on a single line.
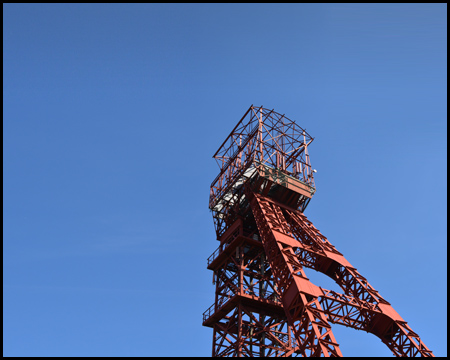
[(291, 242)]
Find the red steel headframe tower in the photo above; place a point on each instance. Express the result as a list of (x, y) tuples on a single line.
[(264, 303)]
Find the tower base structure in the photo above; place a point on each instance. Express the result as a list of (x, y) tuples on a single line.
[(265, 305)]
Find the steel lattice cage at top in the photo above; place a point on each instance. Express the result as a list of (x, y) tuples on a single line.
[(263, 137)]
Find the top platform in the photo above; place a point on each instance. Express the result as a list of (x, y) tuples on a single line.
[(268, 141)]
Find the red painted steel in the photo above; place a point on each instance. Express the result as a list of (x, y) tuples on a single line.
[(265, 305), (263, 140)]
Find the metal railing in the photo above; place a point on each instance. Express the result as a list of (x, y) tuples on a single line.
[(267, 295), (225, 244), (212, 309)]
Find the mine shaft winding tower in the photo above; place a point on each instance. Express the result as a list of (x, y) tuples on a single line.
[(264, 303)]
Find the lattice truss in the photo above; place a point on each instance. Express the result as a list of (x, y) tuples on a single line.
[(271, 307), (291, 242), (265, 305), (244, 290), (245, 332)]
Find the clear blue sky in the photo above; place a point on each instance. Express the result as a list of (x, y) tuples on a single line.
[(112, 114)]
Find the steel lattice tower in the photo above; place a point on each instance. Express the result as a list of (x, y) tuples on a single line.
[(264, 303)]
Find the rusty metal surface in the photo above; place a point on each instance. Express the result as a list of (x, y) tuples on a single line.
[(264, 304)]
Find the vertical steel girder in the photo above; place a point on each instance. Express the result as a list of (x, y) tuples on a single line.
[(245, 332), (244, 287), (291, 242)]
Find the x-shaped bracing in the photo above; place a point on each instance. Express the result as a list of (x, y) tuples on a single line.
[(291, 242)]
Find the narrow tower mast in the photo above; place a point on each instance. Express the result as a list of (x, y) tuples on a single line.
[(265, 305)]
